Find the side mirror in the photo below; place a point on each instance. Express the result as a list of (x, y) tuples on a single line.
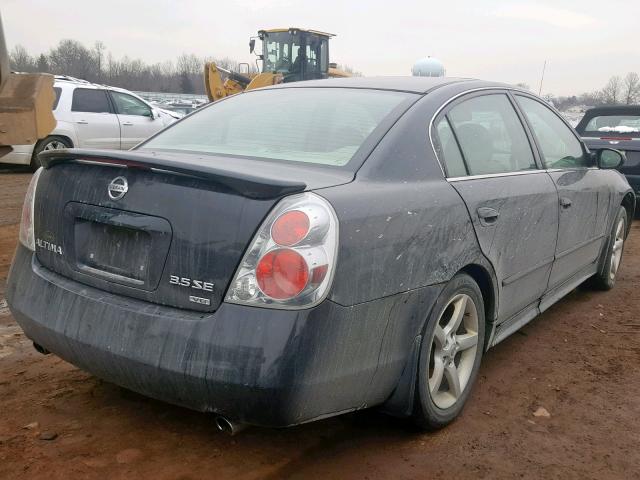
[(252, 45), (608, 158)]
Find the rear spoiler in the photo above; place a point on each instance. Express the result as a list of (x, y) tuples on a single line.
[(228, 172)]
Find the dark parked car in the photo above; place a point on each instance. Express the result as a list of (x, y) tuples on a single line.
[(297, 252), (615, 127)]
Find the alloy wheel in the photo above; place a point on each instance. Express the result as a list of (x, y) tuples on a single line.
[(453, 351), (616, 253), (54, 145)]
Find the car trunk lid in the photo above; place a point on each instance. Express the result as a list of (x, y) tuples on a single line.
[(174, 235)]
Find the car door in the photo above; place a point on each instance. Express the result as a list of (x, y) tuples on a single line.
[(95, 123), (584, 195), (511, 200), (137, 121)]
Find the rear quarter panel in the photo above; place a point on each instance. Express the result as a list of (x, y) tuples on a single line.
[(402, 225), (404, 232)]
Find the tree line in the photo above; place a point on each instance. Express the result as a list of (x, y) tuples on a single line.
[(94, 64), (185, 74), (618, 90), (72, 58)]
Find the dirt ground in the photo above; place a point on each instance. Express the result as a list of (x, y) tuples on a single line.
[(580, 361)]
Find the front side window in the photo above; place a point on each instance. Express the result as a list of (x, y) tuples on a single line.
[(314, 125), (128, 105), (90, 100), (559, 146), (281, 52), (491, 136)]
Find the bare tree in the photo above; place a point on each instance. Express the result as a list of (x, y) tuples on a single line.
[(631, 88), (98, 48), (190, 71), (523, 86), (70, 57), (43, 63), (21, 61), (612, 92)]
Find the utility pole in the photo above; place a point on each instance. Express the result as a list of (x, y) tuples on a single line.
[(544, 67)]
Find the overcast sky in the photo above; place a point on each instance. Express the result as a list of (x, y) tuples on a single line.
[(583, 41)]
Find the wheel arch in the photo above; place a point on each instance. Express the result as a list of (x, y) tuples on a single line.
[(34, 152), (629, 204), (401, 401), (62, 135), (485, 280)]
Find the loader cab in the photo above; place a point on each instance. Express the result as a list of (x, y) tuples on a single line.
[(295, 54)]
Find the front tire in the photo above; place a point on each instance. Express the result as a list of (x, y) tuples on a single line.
[(605, 279), (450, 354), (52, 142)]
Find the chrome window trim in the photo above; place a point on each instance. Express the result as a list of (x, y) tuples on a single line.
[(496, 175), (512, 174), (499, 89), (504, 174)]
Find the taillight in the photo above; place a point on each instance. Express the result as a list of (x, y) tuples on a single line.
[(26, 235), (290, 228), (291, 260), (282, 274)]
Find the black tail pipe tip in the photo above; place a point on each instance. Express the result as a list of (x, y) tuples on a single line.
[(40, 349), (229, 426)]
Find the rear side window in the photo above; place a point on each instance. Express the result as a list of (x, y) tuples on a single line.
[(314, 125), (57, 91), (90, 100), (447, 150), (559, 146), (491, 136)]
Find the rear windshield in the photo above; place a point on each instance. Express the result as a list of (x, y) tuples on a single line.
[(614, 124), (314, 125)]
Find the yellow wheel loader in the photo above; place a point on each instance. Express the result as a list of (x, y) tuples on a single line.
[(26, 102), (288, 55)]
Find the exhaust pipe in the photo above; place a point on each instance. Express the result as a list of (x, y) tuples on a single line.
[(228, 426), (40, 349)]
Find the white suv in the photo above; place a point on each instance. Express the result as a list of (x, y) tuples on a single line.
[(94, 116)]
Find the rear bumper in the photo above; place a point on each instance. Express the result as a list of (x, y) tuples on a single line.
[(254, 365), (21, 155)]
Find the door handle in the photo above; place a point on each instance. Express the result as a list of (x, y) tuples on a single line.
[(565, 202), (488, 215), (127, 124), (82, 122)]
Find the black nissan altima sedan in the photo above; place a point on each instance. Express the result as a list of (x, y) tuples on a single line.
[(296, 252)]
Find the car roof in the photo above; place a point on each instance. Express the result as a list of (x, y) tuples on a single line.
[(78, 82), (613, 110), (398, 83)]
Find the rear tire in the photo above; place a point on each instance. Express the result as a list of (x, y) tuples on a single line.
[(52, 142), (605, 279), (450, 353)]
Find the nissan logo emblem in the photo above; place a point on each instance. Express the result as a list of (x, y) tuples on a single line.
[(118, 188)]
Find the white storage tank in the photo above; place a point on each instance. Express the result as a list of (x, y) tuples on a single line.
[(428, 67)]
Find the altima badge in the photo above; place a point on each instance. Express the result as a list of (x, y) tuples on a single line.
[(118, 188)]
